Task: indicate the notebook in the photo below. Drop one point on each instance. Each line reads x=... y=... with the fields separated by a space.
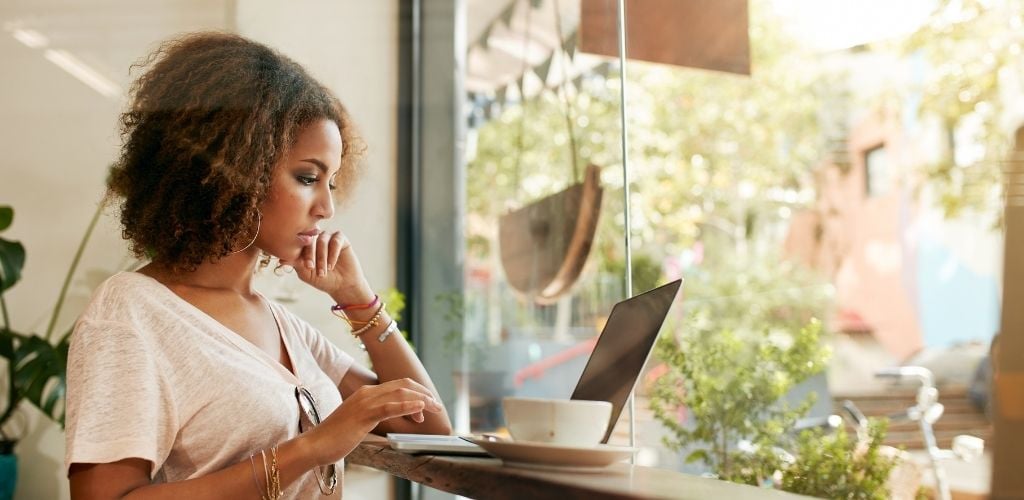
x=611 y=373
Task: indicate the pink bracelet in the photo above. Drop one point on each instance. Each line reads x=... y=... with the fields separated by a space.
x=373 y=303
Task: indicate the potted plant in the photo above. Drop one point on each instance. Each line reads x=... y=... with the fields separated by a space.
x=751 y=335
x=36 y=364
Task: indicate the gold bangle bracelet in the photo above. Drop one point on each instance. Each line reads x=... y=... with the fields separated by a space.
x=252 y=463
x=273 y=476
x=373 y=321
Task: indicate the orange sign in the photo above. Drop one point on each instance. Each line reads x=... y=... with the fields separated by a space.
x=708 y=34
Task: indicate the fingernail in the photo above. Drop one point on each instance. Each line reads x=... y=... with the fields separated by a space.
x=309 y=263
x=322 y=273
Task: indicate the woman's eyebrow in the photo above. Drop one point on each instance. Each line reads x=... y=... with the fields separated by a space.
x=319 y=164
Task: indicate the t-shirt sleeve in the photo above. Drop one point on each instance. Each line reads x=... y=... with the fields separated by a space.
x=118 y=403
x=331 y=359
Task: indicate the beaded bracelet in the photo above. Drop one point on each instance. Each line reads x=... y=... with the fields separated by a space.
x=374 y=321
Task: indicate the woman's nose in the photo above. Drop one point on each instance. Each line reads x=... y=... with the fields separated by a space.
x=324 y=205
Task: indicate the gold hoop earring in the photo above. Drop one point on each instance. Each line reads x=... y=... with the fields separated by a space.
x=259 y=220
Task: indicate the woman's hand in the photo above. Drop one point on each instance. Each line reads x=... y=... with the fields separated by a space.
x=362 y=411
x=330 y=264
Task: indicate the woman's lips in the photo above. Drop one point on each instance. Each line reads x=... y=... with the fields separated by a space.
x=307 y=237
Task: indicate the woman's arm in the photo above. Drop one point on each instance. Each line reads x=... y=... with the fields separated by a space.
x=129 y=478
x=393 y=359
x=330 y=265
x=327 y=443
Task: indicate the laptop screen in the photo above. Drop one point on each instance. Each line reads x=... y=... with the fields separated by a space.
x=623 y=349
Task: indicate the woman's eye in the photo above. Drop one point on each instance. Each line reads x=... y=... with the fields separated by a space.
x=306 y=180
x=332 y=187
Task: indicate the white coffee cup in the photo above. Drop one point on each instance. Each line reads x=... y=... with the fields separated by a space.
x=569 y=422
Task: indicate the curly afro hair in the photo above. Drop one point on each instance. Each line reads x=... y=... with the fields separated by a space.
x=207 y=122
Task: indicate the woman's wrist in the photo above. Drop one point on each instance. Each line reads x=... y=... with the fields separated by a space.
x=302 y=452
x=354 y=295
x=318 y=447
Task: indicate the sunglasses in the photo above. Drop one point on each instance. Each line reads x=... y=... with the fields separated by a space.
x=326 y=475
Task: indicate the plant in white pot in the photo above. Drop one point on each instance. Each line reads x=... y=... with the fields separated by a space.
x=36 y=364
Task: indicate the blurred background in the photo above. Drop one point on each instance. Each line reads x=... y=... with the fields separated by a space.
x=821 y=173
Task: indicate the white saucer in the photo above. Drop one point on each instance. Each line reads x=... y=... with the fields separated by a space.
x=538 y=455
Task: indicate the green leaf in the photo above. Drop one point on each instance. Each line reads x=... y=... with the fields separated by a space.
x=696 y=455
x=6 y=216
x=12 y=260
x=41 y=374
x=7 y=338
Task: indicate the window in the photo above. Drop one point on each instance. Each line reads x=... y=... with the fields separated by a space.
x=877 y=174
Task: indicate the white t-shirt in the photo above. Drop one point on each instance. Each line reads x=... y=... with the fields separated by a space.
x=151 y=376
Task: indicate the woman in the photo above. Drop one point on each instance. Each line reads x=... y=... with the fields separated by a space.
x=184 y=381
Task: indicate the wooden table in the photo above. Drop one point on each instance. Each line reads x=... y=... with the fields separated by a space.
x=486 y=478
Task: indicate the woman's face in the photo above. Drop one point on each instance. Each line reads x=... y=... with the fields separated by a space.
x=300 y=192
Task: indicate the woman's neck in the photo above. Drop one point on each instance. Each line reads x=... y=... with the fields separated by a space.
x=231 y=273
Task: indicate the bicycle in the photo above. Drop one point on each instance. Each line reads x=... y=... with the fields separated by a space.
x=905 y=478
x=926 y=412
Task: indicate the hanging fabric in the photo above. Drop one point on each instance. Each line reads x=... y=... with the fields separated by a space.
x=545 y=244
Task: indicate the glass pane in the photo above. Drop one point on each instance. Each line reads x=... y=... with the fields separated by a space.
x=544 y=199
x=812 y=257
x=756 y=175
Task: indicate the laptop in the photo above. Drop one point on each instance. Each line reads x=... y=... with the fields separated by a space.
x=611 y=373
x=626 y=342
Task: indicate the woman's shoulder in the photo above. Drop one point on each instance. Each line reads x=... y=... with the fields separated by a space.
x=122 y=296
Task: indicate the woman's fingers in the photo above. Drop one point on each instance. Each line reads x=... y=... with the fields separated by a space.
x=323 y=240
x=397 y=409
x=307 y=259
x=337 y=244
x=398 y=398
x=322 y=254
x=366 y=408
x=409 y=389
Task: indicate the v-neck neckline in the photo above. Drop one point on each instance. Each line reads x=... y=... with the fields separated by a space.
x=238 y=340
